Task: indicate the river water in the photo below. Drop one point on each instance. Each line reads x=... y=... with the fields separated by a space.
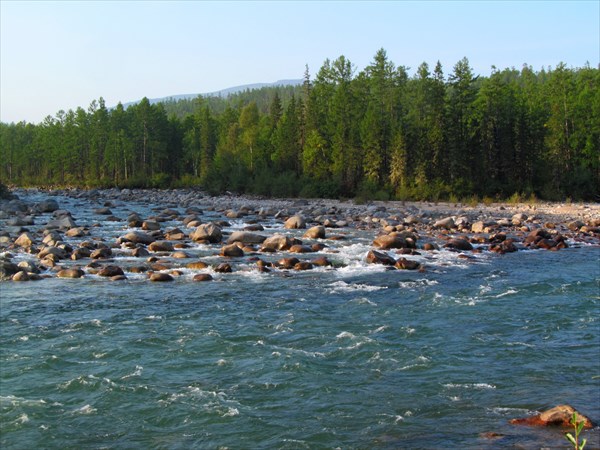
x=352 y=357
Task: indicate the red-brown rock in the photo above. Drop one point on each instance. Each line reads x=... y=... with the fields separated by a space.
x=375 y=257
x=203 y=277
x=558 y=416
x=406 y=264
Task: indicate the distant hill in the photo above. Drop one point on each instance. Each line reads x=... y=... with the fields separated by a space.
x=222 y=93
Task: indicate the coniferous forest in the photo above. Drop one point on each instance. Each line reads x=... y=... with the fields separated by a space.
x=374 y=134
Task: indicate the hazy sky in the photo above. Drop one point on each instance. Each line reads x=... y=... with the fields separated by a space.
x=61 y=55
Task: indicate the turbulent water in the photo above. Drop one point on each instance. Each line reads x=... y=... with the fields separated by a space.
x=352 y=357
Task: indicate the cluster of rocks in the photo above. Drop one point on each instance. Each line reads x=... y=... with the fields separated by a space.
x=63 y=249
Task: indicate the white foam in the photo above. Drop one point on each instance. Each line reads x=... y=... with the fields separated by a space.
x=342 y=286
x=345 y=335
x=136 y=373
x=469 y=386
x=380 y=329
x=231 y=412
x=86 y=409
x=417 y=283
x=20 y=401
x=509 y=292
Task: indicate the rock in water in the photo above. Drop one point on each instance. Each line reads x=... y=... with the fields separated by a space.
x=231 y=250
x=447 y=223
x=139 y=238
x=203 y=277
x=558 y=416
x=295 y=222
x=110 y=271
x=277 y=242
x=207 y=232
x=459 y=244
x=375 y=257
x=25 y=240
x=245 y=237
x=159 y=276
x=316 y=232
x=70 y=273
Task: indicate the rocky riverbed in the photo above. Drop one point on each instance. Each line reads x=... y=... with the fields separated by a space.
x=75 y=233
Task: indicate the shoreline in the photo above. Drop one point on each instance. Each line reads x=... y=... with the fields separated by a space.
x=299 y=234
x=563 y=211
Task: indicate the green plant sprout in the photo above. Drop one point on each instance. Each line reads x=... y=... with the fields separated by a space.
x=577 y=426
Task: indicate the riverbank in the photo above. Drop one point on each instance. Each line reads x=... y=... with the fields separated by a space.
x=71 y=233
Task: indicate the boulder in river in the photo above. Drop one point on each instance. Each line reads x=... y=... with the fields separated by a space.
x=447 y=223
x=101 y=253
x=110 y=271
x=203 y=277
x=70 y=273
x=231 y=250
x=295 y=222
x=277 y=242
x=459 y=244
x=316 y=232
x=223 y=268
x=246 y=237
x=560 y=415
x=303 y=265
x=207 y=232
x=406 y=264
x=46 y=206
x=375 y=257
x=395 y=240
x=63 y=222
x=25 y=240
x=21 y=275
x=160 y=246
x=160 y=276
x=288 y=263
x=139 y=238
x=7 y=270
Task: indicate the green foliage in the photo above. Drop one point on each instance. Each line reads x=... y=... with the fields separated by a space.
x=577 y=428
x=370 y=190
x=374 y=134
x=160 y=181
x=187 y=181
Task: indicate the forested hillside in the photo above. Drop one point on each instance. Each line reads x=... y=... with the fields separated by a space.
x=376 y=133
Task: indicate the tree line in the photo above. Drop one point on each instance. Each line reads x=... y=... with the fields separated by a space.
x=376 y=134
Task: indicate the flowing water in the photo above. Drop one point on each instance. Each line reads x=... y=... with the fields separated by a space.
x=352 y=357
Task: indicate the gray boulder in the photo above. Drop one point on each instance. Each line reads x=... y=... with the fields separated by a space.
x=245 y=237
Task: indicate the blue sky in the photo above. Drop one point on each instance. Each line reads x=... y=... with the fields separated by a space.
x=61 y=55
